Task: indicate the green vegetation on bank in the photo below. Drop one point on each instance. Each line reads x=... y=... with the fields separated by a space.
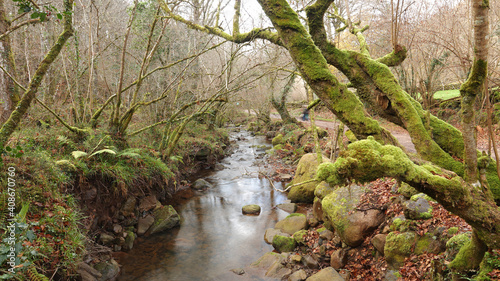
x=66 y=187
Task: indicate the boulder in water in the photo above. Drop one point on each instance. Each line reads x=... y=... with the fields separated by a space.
x=251 y=209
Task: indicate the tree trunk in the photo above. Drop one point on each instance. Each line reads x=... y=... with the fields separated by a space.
x=9 y=95
x=15 y=118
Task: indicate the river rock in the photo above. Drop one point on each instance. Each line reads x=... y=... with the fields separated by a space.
x=306 y=170
x=318 y=209
x=299 y=275
x=310 y=262
x=351 y=225
x=300 y=236
x=398 y=246
x=292 y=223
x=326 y=274
x=117 y=228
x=283 y=243
x=278 y=140
x=272 y=263
x=417 y=208
x=106 y=239
x=238 y=271
x=165 y=218
x=326 y=235
x=143 y=224
x=148 y=203
x=271 y=232
x=109 y=270
x=288 y=207
x=201 y=184
x=128 y=208
x=129 y=240
x=251 y=209
x=378 y=241
x=87 y=273
x=338 y=259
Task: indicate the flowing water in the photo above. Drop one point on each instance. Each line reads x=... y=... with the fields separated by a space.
x=214 y=236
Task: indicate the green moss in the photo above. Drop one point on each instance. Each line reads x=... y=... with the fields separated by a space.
x=321 y=229
x=490 y=262
x=398 y=246
x=458 y=241
x=299 y=236
x=283 y=243
x=422 y=195
x=295 y=215
x=406 y=190
x=453 y=230
x=278 y=140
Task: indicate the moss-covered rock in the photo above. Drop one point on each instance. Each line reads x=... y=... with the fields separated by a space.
x=455 y=243
x=278 y=139
x=292 y=223
x=397 y=247
x=351 y=225
x=300 y=236
x=283 y=243
x=406 y=190
x=322 y=190
x=417 y=208
x=306 y=171
x=165 y=218
x=251 y=209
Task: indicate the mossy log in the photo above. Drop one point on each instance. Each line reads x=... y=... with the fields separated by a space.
x=367 y=160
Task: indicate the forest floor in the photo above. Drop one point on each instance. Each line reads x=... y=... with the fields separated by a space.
x=361 y=263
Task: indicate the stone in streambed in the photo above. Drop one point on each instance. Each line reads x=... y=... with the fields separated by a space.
x=283 y=243
x=143 y=224
x=251 y=209
x=165 y=218
x=298 y=276
x=288 y=207
x=326 y=274
x=201 y=184
x=292 y=223
x=271 y=232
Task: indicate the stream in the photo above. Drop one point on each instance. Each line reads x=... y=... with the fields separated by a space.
x=214 y=236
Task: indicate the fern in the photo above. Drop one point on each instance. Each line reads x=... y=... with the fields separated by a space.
x=106 y=150
x=130 y=153
x=64 y=141
x=35 y=276
x=77 y=154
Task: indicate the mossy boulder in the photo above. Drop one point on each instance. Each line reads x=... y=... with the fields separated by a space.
x=251 y=209
x=284 y=243
x=455 y=243
x=292 y=223
x=399 y=246
x=417 y=208
x=353 y=226
x=323 y=189
x=271 y=232
x=306 y=170
x=300 y=236
x=272 y=264
x=165 y=218
x=278 y=139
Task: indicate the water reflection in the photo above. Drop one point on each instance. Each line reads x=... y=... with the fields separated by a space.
x=214 y=236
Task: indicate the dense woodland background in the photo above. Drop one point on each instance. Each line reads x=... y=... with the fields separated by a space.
x=95 y=93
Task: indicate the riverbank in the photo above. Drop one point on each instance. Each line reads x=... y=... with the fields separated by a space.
x=82 y=200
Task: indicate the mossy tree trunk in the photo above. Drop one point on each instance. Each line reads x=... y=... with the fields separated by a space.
x=435 y=140
x=9 y=95
x=29 y=95
x=280 y=105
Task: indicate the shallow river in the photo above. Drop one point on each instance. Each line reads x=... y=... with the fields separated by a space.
x=214 y=236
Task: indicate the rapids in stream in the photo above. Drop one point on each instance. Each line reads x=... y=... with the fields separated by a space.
x=214 y=236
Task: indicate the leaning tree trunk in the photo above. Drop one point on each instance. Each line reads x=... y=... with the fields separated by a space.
x=29 y=95
x=280 y=105
x=9 y=96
